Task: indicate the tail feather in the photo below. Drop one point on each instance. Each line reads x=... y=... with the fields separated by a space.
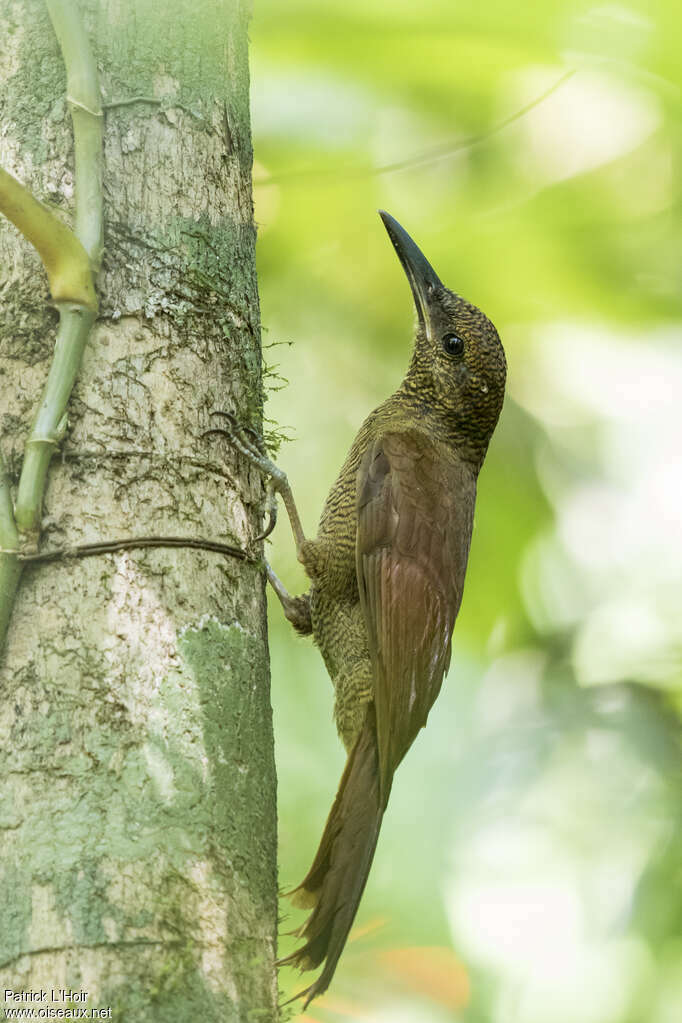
x=335 y=882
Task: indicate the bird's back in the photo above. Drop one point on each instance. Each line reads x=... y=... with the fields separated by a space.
x=436 y=483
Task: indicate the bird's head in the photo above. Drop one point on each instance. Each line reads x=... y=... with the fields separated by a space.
x=458 y=367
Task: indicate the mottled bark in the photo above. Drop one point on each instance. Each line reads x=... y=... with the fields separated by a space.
x=137 y=799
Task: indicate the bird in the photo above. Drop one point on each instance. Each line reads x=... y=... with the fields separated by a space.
x=386 y=573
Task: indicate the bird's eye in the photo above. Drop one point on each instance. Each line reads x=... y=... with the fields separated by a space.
x=452 y=344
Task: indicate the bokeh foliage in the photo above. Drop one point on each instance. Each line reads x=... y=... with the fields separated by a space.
x=529 y=867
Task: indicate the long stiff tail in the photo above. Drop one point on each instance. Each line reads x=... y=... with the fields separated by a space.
x=335 y=882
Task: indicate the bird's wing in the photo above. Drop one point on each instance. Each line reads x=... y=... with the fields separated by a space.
x=415 y=512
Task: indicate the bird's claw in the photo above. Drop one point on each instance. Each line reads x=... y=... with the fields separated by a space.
x=272 y=512
x=245 y=439
x=249 y=442
x=237 y=428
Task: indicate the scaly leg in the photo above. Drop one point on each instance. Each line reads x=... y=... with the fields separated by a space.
x=246 y=440
x=296 y=609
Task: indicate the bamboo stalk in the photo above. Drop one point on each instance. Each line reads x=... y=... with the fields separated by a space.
x=76 y=318
x=63 y=256
x=71 y=259
x=10 y=566
x=85 y=101
x=49 y=424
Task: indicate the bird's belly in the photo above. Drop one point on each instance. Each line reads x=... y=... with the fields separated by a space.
x=340 y=633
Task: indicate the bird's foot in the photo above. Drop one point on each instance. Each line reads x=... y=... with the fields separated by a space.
x=250 y=444
x=296 y=609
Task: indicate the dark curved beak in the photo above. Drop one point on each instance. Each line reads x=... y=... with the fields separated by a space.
x=423 y=279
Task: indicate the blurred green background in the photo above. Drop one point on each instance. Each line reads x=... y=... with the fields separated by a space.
x=530 y=864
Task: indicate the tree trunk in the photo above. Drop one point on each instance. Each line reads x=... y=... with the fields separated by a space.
x=137 y=808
